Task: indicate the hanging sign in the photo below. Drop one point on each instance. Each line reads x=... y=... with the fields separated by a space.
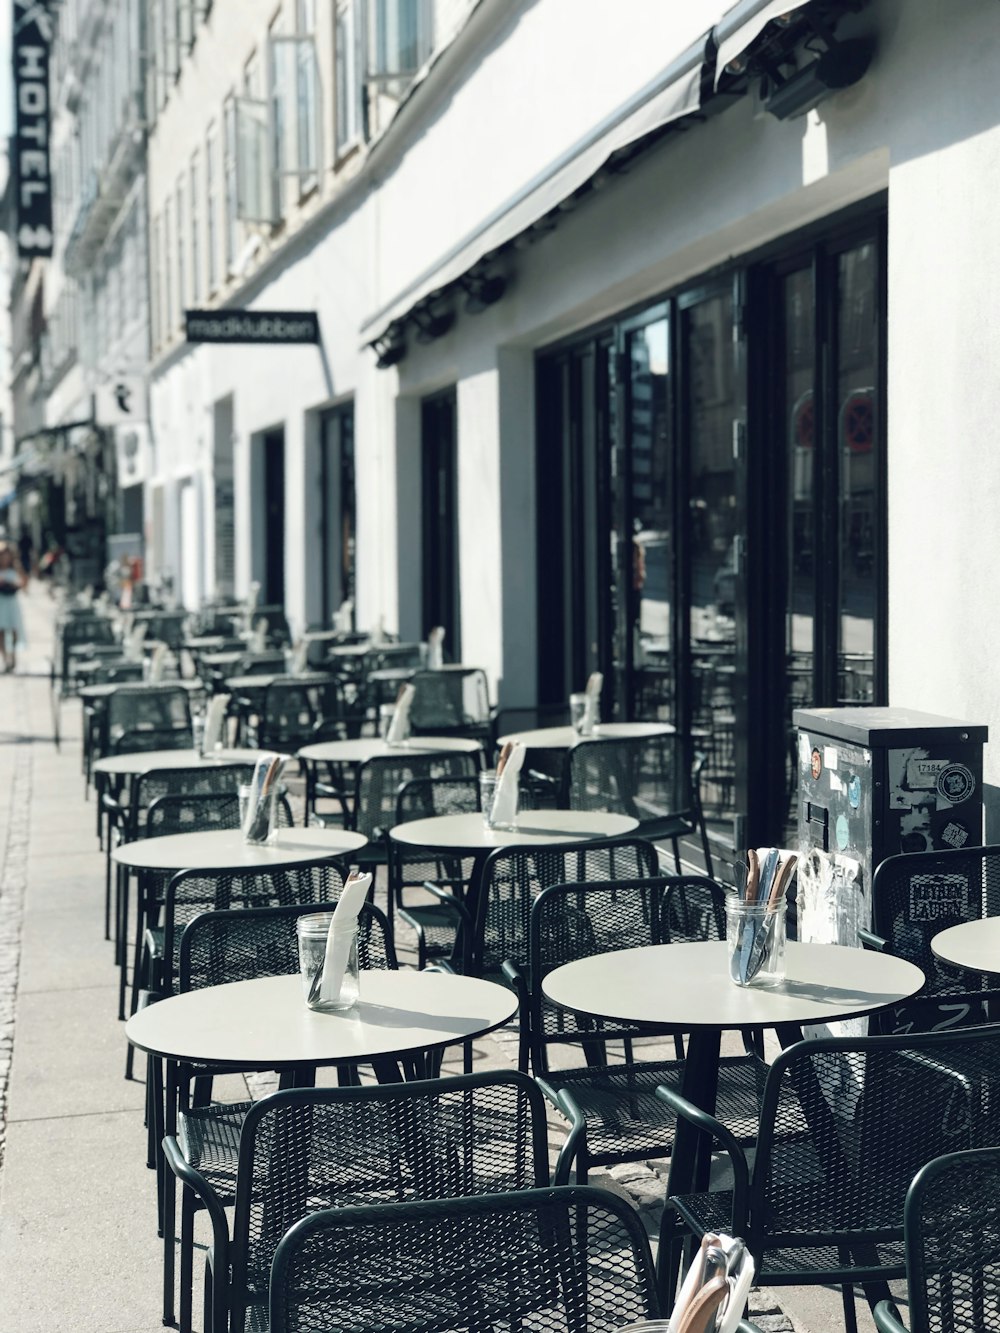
x=32 y=37
x=252 y=326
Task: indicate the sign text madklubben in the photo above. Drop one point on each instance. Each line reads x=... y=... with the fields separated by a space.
x=252 y=326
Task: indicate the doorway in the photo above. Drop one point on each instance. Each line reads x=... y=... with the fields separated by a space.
x=441 y=602
x=338 y=521
x=272 y=474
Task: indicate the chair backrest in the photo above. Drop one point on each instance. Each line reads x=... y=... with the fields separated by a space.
x=554 y=1260
x=150 y=708
x=918 y=894
x=288 y=715
x=394 y=655
x=647 y=777
x=219 y=780
x=571 y=921
x=190 y=814
x=449 y=700
x=513 y=877
x=166 y=627
x=952 y=1226
x=423 y=798
x=278 y=632
x=146 y=741
x=845 y=1125
x=260 y=664
x=240 y=944
x=378 y=781
x=195 y=891
x=115 y=672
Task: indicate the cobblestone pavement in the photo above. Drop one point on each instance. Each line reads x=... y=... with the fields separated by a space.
x=75 y=1198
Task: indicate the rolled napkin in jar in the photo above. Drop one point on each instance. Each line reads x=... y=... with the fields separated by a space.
x=340 y=936
x=378 y=633
x=435 y=648
x=133 y=643
x=715 y=1287
x=399 y=727
x=299 y=657
x=157 y=663
x=258 y=639
x=343 y=617
x=263 y=791
x=505 y=797
x=592 y=712
x=215 y=718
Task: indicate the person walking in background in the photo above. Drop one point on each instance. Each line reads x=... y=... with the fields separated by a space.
x=26 y=547
x=12 y=580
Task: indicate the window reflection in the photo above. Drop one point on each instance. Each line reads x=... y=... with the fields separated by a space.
x=857 y=376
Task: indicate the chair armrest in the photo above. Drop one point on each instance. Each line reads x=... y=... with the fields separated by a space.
x=872 y=941
x=709 y=1125
x=197 y=1183
x=887 y=1320
x=518 y=982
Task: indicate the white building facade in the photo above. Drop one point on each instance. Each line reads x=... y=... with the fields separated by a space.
x=650 y=343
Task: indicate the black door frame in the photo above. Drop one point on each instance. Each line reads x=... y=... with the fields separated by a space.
x=440 y=578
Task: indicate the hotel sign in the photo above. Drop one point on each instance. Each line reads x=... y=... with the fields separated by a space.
x=252 y=326
x=32 y=37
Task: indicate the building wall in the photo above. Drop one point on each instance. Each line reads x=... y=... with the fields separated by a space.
x=540 y=77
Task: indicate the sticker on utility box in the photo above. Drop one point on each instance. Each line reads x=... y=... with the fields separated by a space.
x=955 y=783
x=922 y=774
x=937 y=897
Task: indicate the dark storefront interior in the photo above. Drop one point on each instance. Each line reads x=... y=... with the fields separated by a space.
x=711 y=477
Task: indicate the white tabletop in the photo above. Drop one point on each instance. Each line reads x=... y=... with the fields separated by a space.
x=90 y=693
x=972 y=944
x=359 y=750
x=564 y=738
x=534 y=828
x=224 y=849
x=144 y=761
x=262 y=681
x=688 y=985
x=266 y=1023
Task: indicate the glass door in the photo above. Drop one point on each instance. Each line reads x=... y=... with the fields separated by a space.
x=643 y=539
x=441 y=604
x=713 y=545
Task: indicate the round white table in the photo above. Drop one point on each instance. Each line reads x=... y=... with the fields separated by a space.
x=363 y=748
x=257 y=684
x=564 y=738
x=266 y=1024
x=535 y=828
x=144 y=761
x=225 y=849
x=95 y=693
x=974 y=945
x=688 y=986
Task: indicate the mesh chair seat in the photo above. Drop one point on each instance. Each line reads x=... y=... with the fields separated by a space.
x=209 y=1138
x=625 y=1118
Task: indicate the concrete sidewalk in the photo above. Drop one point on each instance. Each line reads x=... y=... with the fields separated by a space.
x=78 y=1243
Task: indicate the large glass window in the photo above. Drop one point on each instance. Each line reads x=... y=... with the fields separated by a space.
x=348 y=85
x=711 y=475
x=211 y=209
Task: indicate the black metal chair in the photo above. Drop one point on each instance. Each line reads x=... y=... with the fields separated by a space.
x=278 y=633
x=307 y=1149
x=652 y=778
x=845 y=1124
x=916 y=895
x=434 y=922
x=217 y=947
x=609 y=1094
x=494 y=929
x=543 y=1261
x=951 y=1224
x=451 y=703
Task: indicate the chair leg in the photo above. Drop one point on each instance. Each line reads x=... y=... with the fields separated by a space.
x=187 y=1259
x=668 y=1256
x=169 y=1228
x=850 y=1310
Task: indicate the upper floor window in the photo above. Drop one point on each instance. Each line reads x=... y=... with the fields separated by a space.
x=229 y=174
x=193 y=193
x=348 y=75
x=211 y=208
x=179 y=226
x=400 y=38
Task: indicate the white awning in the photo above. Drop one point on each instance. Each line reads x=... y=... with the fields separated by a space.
x=740 y=27
x=673 y=93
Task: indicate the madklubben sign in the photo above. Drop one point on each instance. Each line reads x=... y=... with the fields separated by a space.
x=32 y=37
x=251 y=326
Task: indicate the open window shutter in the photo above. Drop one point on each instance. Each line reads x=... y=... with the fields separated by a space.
x=254 y=195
